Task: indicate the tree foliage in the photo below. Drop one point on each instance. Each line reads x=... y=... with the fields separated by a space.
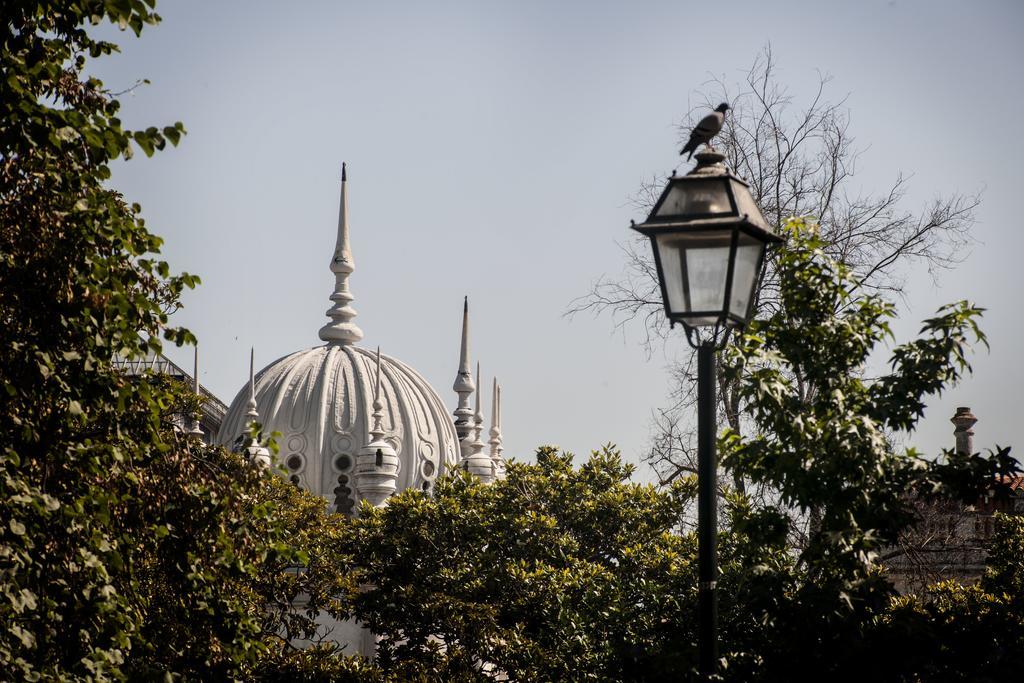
x=554 y=573
x=821 y=440
x=549 y=574
x=129 y=551
x=126 y=550
x=563 y=573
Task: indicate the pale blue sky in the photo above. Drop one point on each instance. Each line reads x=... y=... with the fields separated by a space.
x=491 y=147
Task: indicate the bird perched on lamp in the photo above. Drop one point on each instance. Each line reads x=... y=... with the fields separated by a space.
x=708 y=128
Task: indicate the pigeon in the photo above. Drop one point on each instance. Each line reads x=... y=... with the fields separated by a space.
x=705 y=130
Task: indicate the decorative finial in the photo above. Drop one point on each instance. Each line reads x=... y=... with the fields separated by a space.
x=253 y=450
x=494 y=415
x=476 y=461
x=197 y=430
x=464 y=386
x=377 y=432
x=495 y=442
x=251 y=413
x=341 y=329
x=501 y=446
x=478 y=414
x=377 y=463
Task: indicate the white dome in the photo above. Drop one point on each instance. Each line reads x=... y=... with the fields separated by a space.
x=321 y=401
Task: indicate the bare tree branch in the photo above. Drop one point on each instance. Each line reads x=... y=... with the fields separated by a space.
x=799 y=161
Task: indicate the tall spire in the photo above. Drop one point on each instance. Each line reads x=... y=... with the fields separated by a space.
x=197 y=430
x=377 y=463
x=495 y=442
x=495 y=431
x=377 y=432
x=478 y=414
x=464 y=386
x=341 y=329
x=251 y=414
x=501 y=447
x=257 y=453
x=475 y=461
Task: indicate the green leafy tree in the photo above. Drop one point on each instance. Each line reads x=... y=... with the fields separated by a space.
x=126 y=550
x=822 y=443
x=554 y=573
x=76 y=289
x=239 y=565
x=563 y=573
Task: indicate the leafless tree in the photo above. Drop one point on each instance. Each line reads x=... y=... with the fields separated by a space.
x=799 y=159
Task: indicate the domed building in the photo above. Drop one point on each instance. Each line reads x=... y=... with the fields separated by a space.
x=359 y=425
x=321 y=400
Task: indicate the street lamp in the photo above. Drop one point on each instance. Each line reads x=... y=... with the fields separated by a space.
x=709 y=240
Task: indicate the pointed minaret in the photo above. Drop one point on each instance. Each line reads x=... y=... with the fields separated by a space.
x=478 y=414
x=341 y=329
x=377 y=463
x=251 y=414
x=256 y=452
x=197 y=430
x=477 y=462
x=495 y=442
x=464 y=387
x=501 y=447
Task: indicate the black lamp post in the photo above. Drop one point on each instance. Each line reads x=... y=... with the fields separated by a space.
x=709 y=240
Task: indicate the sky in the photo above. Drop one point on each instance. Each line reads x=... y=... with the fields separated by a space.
x=491 y=149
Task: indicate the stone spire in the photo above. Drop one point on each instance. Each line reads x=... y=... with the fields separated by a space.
x=478 y=415
x=501 y=447
x=341 y=329
x=495 y=442
x=251 y=414
x=254 y=451
x=464 y=387
x=376 y=462
x=964 y=420
x=197 y=430
x=477 y=462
